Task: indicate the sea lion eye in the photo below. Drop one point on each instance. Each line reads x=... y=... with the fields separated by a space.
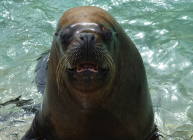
x=107 y=33
x=64 y=37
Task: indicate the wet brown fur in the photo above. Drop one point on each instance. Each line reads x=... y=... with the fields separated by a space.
x=122 y=112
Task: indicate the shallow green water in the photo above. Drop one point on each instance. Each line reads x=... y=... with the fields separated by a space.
x=161 y=29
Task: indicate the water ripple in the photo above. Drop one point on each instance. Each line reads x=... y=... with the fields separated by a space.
x=161 y=29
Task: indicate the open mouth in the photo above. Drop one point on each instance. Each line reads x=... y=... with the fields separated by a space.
x=87 y=68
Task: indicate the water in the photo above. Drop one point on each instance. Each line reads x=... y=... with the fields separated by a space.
x=161 y=29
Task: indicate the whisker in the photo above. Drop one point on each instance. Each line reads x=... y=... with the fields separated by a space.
x=72 y=54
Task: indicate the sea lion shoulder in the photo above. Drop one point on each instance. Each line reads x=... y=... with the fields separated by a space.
x=41 y=71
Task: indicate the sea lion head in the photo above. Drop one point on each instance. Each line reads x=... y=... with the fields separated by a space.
x=85 y=45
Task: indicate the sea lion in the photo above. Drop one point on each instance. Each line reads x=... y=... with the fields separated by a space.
x=96 y=86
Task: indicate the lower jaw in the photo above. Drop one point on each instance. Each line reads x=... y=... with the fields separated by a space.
x=86 y=84
x=87 y=80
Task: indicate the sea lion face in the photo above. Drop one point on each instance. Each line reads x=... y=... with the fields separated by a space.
x=86 y=62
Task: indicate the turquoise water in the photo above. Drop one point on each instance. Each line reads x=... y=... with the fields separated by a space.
x=161 y=29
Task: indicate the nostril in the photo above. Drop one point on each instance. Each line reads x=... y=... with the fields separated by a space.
x=92 y=37
x=87 y=37
x=82 y=38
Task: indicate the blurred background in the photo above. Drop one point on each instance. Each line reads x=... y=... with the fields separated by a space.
x=162 y=30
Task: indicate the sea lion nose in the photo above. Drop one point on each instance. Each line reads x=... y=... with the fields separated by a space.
x=87 y=39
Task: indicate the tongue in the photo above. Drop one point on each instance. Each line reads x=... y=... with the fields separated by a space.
x=86 y=67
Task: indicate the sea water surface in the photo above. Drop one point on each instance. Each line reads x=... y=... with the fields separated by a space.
x=161 y=29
